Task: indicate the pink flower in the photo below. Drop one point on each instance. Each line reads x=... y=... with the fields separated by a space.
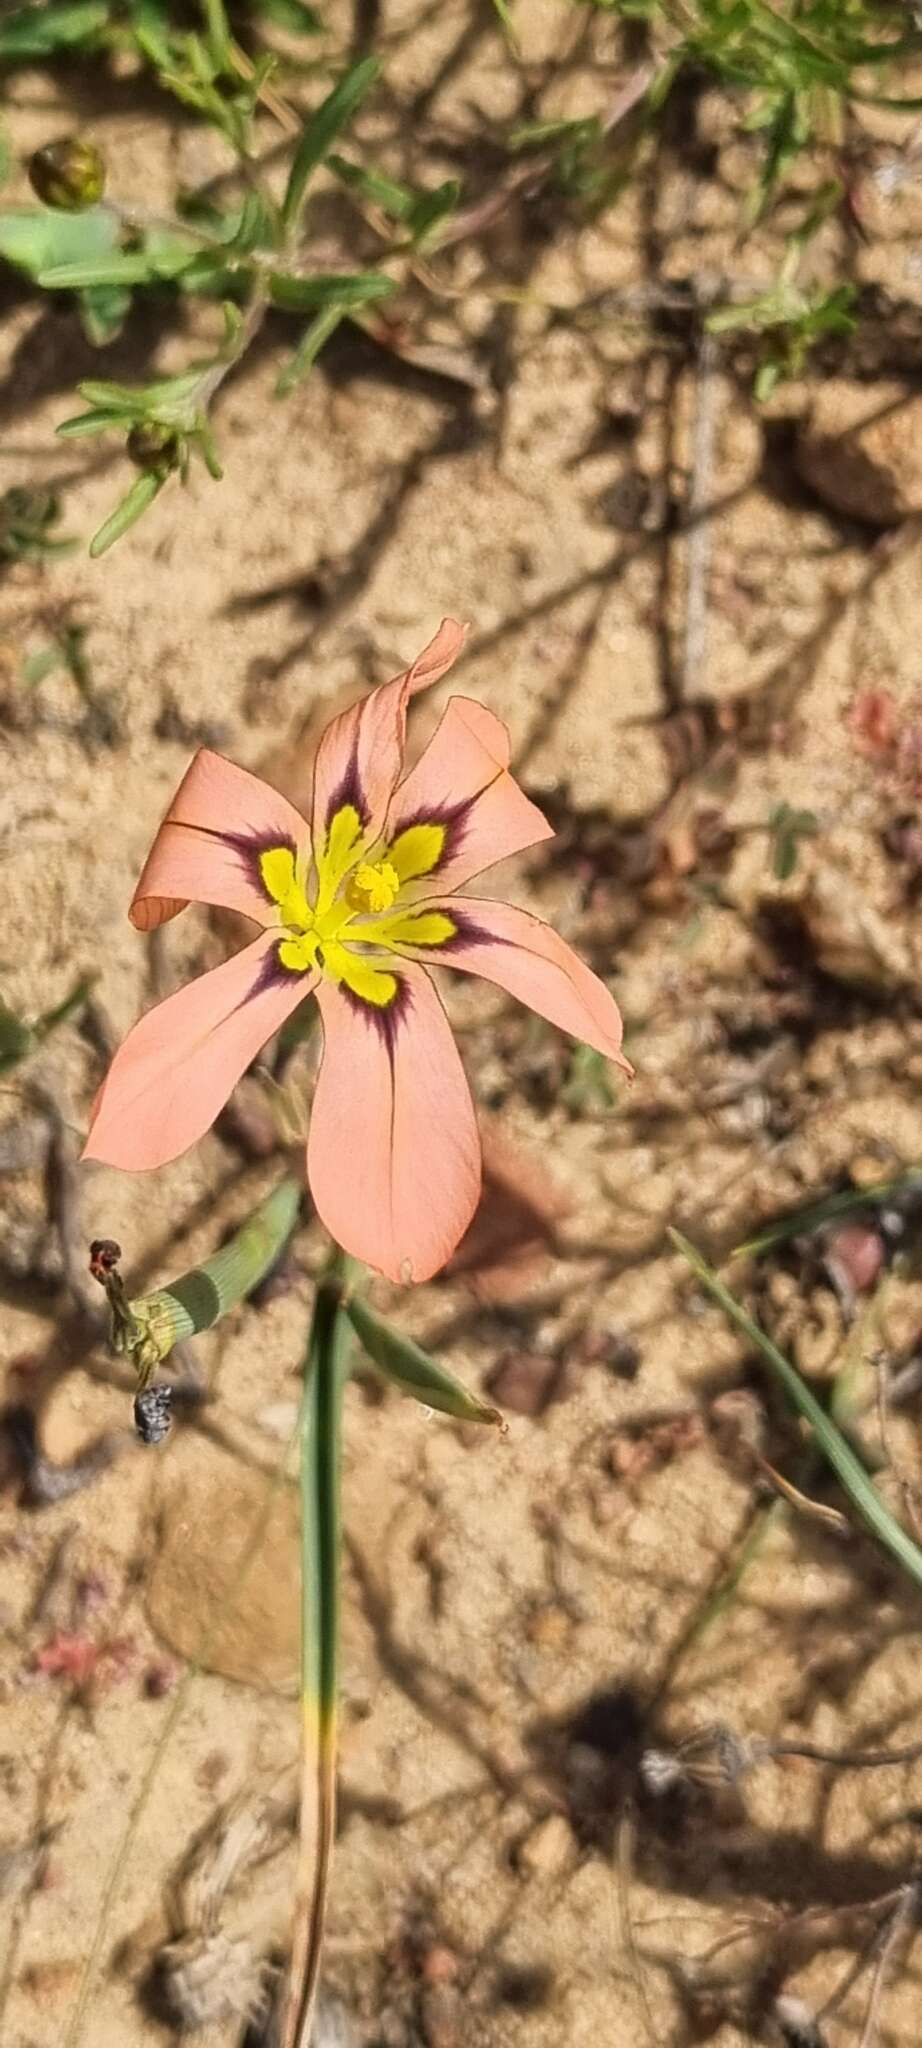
x=353 y=909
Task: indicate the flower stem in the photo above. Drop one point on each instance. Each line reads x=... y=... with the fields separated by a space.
x=326 y=1370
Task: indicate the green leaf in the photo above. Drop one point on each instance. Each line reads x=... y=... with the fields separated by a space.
x=536 y=134
x=38 y=238
x=133 y=506
x=40 y=31
x=308 y=350
x=67 y=1007
x=103 y=311
x=430 y=209
x=299 y=294
x=160 y=394
x=397 y=201
x=788 y=827
x=291 y=14
x=124 y=267
x=251 y=228
x=838 y=1453
x=100 y=421
x=218 y=35
x=321 y=130
x=411 y=1369
x=39 y=665
x=16 y=1038
x=162 y=258
x=207 y=448
x=503 y=11
x=812 y=1216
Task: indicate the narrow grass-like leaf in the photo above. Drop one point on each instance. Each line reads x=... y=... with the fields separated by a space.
x=322 y=326
x=302 y=294
x=812 y=1215
x=131 y=509
x=397 y=201
x=326 y=1370
x=430 y=209
x=829 y=1439
x=411 y=1369
x=99 y=421
x=67 y=1007
x=321 y=131
x=141 y=398
x=124 y=267
x=15 y=1038
x=198 y=1299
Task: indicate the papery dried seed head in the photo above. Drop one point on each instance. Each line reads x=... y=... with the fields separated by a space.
x=153 y=1413
x=660 y=1770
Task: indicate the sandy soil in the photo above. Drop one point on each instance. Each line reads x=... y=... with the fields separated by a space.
x=525 y=1616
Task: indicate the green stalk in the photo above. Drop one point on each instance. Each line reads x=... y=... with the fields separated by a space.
x=812 y=1215
x=148 y=1327
x=326 y=1370
x=838 y=1453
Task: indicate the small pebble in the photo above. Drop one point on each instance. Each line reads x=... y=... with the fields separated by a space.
x=159 y=1679
x=548 y=1849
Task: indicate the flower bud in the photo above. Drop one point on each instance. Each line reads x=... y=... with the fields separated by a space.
x=153 y=446
x=69 y=174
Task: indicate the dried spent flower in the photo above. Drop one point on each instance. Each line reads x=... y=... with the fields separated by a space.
x=155 y=447
x=153 y=1413
x=710 y=1757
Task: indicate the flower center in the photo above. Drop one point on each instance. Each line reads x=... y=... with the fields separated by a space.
x=374 y=886
x=313 y=932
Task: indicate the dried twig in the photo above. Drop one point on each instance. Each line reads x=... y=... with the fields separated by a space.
x=623 y=1848
x=889 y=1938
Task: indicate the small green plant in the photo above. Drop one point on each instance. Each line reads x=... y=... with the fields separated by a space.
x=28 y=517
x=802 y=62
x=247 y=255
x=787 y=827
x=794 y=70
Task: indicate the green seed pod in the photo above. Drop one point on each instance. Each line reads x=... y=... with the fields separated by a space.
x=155 y=447
x=69 y=174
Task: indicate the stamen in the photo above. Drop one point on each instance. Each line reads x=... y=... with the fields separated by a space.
x=373 y=887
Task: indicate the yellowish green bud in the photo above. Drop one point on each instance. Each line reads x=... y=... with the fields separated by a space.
x=69 y=174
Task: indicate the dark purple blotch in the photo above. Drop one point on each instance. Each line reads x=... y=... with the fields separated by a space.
x=383 y=1018
x=350 y=791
